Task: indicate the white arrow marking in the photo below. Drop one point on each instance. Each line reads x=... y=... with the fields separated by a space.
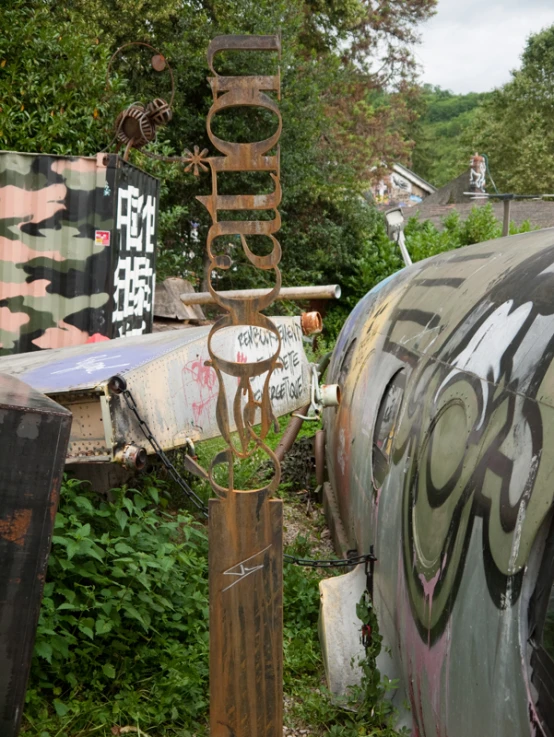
x=241 y=571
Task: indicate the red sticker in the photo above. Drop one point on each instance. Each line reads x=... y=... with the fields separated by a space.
x=102 y=238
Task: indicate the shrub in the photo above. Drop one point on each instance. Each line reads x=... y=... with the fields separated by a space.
x=123 y=631
x=423 y=239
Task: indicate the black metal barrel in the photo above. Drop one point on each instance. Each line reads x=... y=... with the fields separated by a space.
x=34 y=434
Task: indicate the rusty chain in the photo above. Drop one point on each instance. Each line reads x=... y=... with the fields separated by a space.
x=173 y=472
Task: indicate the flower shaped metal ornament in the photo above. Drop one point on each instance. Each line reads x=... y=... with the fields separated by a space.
x=196 y=160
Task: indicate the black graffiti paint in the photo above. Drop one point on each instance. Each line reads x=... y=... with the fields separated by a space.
x=511 y=384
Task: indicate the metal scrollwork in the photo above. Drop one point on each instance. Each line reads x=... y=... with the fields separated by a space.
x=229 y=92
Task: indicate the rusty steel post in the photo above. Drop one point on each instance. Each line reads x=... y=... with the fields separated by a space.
x=319 y=452
x=245 y=526
x=291 y=433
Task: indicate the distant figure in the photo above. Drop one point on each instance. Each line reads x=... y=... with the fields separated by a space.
x=477 y=173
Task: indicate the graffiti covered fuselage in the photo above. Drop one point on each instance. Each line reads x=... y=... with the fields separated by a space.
x=441 y=455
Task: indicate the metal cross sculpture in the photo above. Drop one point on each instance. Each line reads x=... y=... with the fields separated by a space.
x=245 y=526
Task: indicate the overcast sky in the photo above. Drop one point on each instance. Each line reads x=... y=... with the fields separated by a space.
x=471 y=45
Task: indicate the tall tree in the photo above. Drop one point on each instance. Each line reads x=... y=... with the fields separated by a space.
x=347 y=78
x=441 y=151
x=52 y=74
x=515 y=128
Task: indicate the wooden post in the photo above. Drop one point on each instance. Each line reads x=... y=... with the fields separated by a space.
x=246 y=616
x=507 y=209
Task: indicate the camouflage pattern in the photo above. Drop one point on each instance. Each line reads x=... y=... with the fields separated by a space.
x=77 y=246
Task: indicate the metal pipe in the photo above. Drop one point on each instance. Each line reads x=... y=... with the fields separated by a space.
x=403 y=250
x=319 y=452
x=290 y=434
x=132 y=457
x=329 y=291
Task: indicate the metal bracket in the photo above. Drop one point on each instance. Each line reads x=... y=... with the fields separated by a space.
x=326 y=395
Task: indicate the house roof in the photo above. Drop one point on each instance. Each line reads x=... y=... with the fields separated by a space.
x=413 y=178
x=452 y=192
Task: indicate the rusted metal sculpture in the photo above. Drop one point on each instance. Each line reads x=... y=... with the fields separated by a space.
x=245 y=525
x=136 y=125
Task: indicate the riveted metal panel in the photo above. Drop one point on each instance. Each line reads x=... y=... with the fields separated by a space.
x=175 y=391
x=448 y=474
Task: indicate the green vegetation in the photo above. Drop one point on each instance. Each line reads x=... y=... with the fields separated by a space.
x=514 y=127
x=123 y=632
x=423 y=239
x=441 y=150
x=340 y=117
x=52 y=76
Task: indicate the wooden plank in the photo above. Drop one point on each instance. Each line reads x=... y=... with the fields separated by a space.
x=246 y=616
x=167 y=301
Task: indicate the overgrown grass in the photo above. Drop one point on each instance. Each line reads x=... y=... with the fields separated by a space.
x=123 y=633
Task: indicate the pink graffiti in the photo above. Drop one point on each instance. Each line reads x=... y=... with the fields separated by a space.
x=427 y=666
x=429 y=590
x=97 y=338
x=204 y=380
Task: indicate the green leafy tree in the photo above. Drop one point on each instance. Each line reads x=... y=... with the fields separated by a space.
x=347 y=81
x=424 y=239
x=514 y=127
x=441 y=151
x=52 y=76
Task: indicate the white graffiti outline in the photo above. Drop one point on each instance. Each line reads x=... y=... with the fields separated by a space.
x=92 y=364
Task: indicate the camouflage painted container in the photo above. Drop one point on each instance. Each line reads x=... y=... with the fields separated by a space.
x=77 y=250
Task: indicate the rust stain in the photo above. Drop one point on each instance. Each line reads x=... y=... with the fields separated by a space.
x=55 y=497
x=15 y=527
